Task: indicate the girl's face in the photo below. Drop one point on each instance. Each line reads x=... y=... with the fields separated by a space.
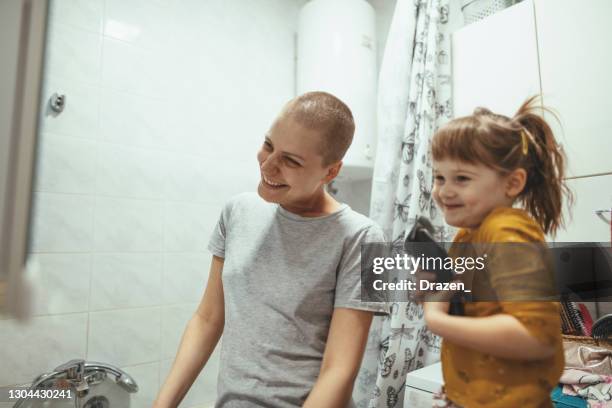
x=466 y=193
x=291 y=167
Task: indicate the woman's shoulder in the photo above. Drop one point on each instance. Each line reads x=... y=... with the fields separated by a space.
x=245 y=206
x=358 y=226
x=506 y=224
x=244 y=200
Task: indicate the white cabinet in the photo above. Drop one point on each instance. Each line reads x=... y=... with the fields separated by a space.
x=559 y=48
x=576 y=70
x=495 y=62
x=421 y=384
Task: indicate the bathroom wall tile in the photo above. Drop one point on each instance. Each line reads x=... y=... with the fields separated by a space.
x=228 y=178
x=147 y=378
x=144 y=23
x=185 y=276
x=124 y=337
x=86 y=15
x=186 y=178
x=40 y=345
x=65 y=164
x=62 y=223
x=123 y=225
x=126 y=280
x=188 y=129
x=133 y=120
x=73 y=54
x=174 y=320
x=124 y=21
x=188 y=226
x=179 y=60
x=130 y=172
x=60 y=283
x=203 y=392
x=128 y=68
x=80 y=115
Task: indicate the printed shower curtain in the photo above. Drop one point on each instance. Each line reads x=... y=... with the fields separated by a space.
x=414 y=99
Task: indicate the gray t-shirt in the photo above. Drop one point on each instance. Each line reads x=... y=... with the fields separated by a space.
x=283 y=275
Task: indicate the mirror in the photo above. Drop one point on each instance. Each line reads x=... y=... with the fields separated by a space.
x=22 y=37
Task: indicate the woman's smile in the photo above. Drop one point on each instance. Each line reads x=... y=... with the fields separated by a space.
x=272 y=184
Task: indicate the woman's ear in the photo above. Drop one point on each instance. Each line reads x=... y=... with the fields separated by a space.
x=332 y=172
x=515 y=182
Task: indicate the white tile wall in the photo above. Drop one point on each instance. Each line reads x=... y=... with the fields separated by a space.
x=128 y=225
x=80 y=118
x=61 y=283
x=40 y=345
x=132 y=120
x=184 y=276
x=73 y=54
x=62 y=223
x=174 y=319
x=130 y=172
x=86 y=15
x=124 y=280
x=124 y=336
x=67 y=164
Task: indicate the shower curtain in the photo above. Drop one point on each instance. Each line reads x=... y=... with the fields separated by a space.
x=414 y=99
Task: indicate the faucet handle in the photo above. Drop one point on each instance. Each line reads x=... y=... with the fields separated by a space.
x=74 y=369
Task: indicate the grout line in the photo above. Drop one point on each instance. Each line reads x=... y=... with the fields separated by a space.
x=537 y=43
x=193 y=304
x=160 y=200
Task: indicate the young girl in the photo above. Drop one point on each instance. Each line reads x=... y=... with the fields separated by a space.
x=500 y=353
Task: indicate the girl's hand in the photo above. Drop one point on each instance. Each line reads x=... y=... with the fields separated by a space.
x=435 y=308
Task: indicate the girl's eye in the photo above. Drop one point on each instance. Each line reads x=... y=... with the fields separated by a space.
x=462 y=178
x=439 y=179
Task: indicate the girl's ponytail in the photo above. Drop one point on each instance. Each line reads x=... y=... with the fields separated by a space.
x=545 y=187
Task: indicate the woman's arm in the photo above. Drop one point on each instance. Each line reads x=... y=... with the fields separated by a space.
x=501 y=335
x=199 y=340
x=348 y=334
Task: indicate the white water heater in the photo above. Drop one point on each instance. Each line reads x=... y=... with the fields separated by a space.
x=336 y=53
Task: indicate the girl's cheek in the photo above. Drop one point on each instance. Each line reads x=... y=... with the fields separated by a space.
x=435 y=192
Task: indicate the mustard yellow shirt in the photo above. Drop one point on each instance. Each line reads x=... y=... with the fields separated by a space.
x=474 y=379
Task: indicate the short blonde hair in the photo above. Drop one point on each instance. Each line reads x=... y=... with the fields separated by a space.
x=326 y=113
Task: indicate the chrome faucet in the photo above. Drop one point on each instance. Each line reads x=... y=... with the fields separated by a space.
x=80 y=374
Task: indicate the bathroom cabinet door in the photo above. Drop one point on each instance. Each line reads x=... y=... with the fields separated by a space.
x=576 y=70
x=495 y=61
